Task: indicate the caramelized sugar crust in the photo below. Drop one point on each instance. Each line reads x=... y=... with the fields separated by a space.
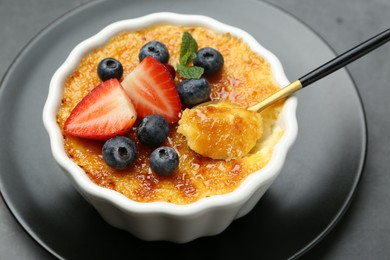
x=244 y=80
x=221 y=131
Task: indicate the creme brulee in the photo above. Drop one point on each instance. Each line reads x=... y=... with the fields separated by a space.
x=221 y=131
x=244 y=80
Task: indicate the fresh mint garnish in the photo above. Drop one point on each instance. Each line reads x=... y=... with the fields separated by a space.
x=188 y=50
x=192 y=72
x=185 y=60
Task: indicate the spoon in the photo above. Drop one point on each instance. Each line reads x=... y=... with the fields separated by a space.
x=326 y=69
x=236 y=142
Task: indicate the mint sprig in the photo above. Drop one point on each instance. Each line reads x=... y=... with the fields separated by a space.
x=192 y=72
x=188 y=51
x=188 y=48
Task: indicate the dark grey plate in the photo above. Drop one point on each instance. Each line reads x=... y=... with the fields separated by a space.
x=306 y=201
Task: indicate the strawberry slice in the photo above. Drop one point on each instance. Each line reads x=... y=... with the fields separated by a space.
x=153 y=91
x=104 y=113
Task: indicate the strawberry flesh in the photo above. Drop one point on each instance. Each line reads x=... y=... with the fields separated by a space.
x=152 y=90
x=104 y=113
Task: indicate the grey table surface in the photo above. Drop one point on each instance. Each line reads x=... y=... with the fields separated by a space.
x=364 y=231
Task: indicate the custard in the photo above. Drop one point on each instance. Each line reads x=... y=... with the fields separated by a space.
x=221 y=131
x=244 y=80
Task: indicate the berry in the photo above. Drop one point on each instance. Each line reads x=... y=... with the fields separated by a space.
x=153 y=130
x=171 y=70
x=109 y=68
x=104 y=113
x=152 y=90
x=194 y=91
x=156 y=50
x=119 y=152
x=210 y=59
x=164 y=161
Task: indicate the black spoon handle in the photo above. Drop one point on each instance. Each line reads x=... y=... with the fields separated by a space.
x=324 y=70
x=345 y=58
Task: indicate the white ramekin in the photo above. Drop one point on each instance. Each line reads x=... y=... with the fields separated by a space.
x=162 y=220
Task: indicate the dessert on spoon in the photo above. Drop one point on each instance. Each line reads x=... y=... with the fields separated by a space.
x=220 y=130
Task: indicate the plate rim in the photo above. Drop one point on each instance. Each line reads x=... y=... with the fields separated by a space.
x=352 y=193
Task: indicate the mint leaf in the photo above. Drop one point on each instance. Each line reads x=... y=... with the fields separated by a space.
x=193 y=72
x=187 y=58
x=188 y=51
x=188 y=48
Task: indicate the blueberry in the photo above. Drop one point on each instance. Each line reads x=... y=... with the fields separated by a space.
x=156 y=50
x=194 y=91
x=109 y=68
x=153 y=130
x=210 y=59
x=164 y=161
x=119 y=152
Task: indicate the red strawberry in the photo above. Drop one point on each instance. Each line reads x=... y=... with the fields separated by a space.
x=171 y=70
x=104 y=113
x=153 y=91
